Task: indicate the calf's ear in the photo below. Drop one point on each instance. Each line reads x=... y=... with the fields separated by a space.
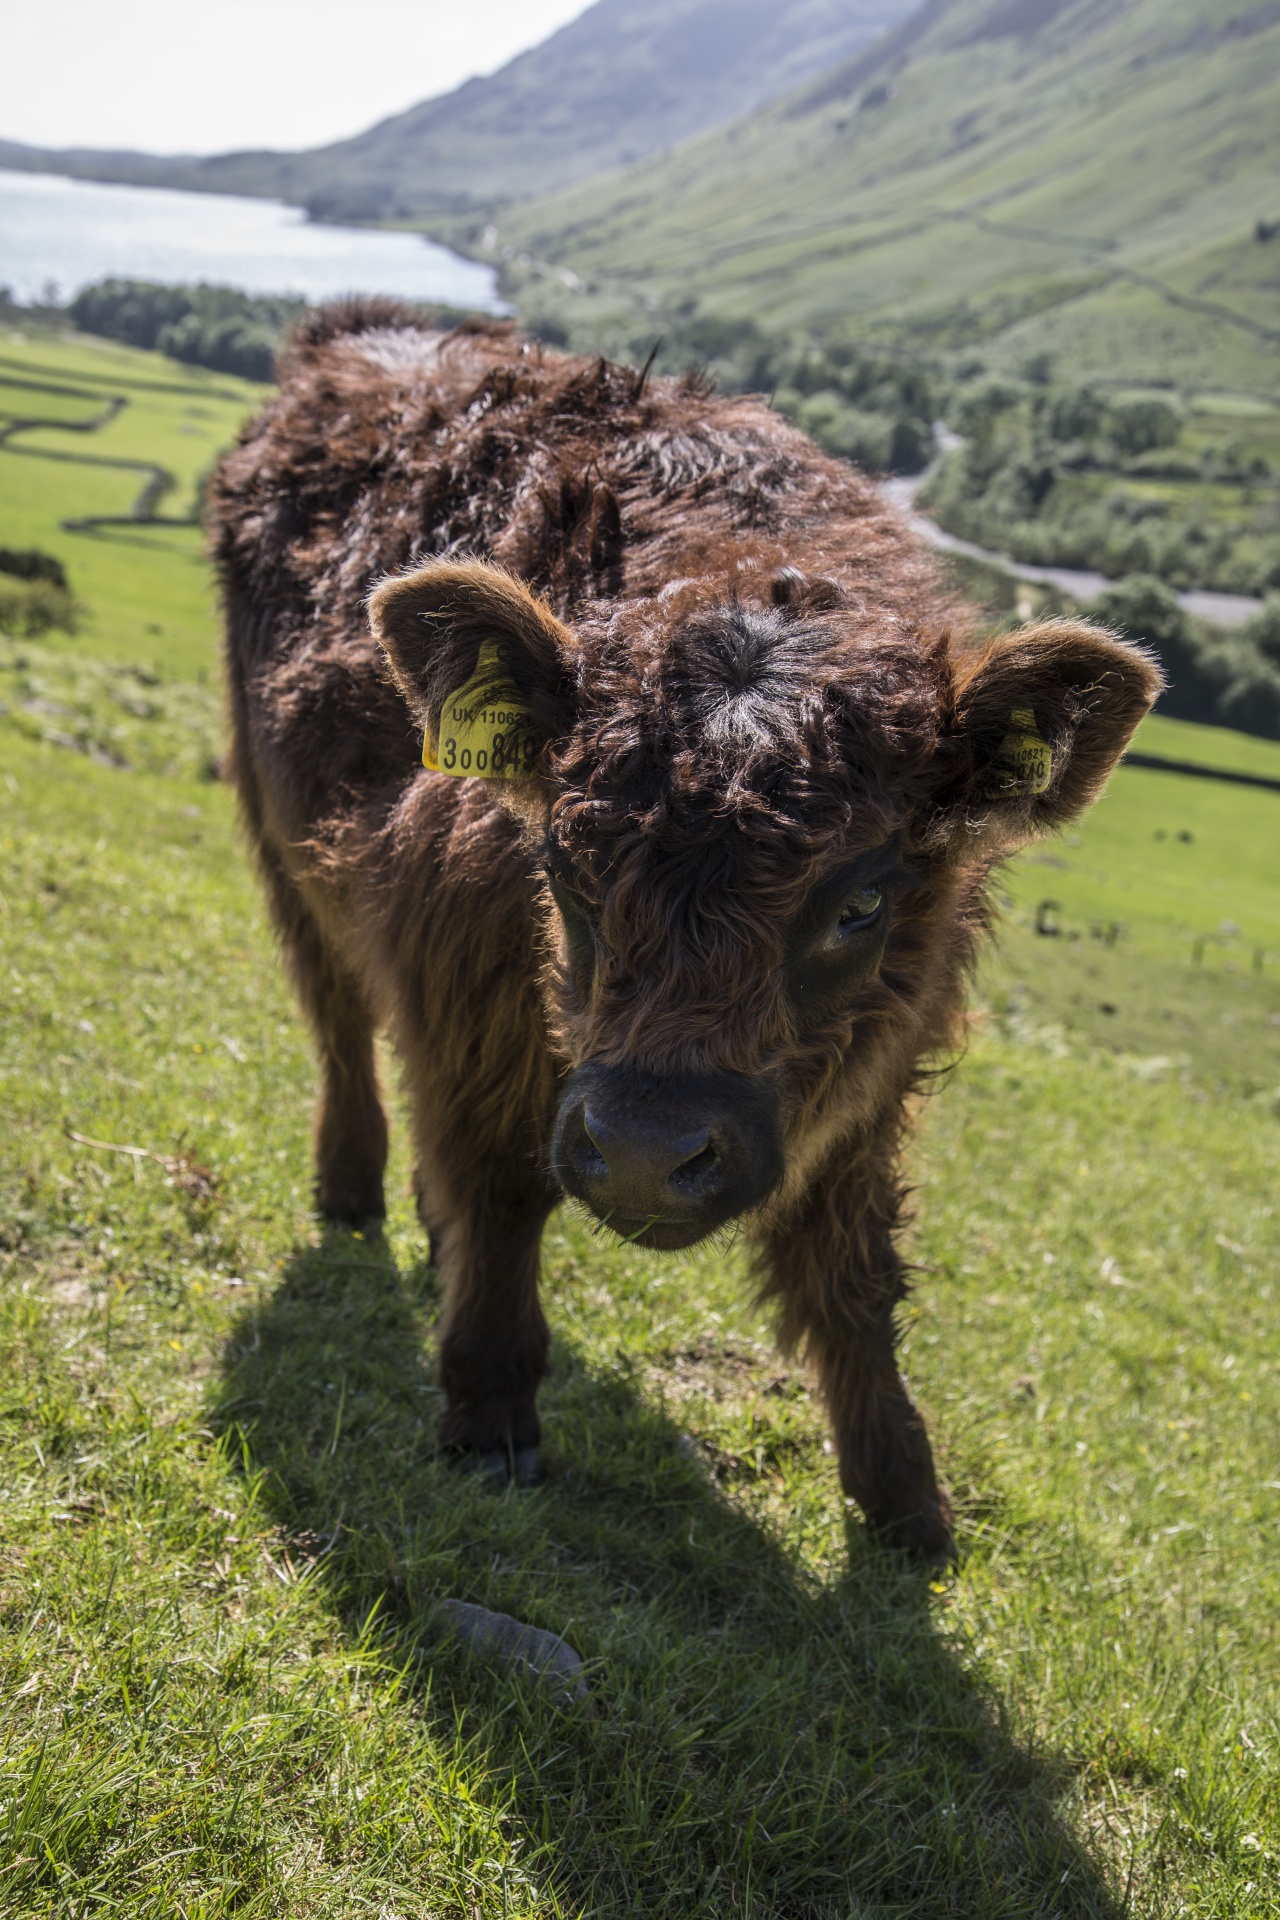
x=1042 y=716
x=483 y=664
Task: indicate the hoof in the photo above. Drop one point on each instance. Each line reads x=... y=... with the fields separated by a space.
x=369 y=1224
x=354 y=1202
x=925 y=1536
x=358 y=1212
x=501 y=1467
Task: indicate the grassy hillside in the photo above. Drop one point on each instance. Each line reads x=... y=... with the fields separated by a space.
x=1051 y=176
x=228 y=1686
x=625 y=79
x=225 y=1532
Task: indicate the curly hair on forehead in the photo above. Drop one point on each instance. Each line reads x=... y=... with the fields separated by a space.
x=803 y=738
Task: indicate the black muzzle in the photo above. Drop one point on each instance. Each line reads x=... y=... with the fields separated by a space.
x=664 y=1162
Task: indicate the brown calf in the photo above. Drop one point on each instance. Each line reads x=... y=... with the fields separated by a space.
x=734 y=786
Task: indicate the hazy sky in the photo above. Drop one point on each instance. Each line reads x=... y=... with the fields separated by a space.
x=169 y=76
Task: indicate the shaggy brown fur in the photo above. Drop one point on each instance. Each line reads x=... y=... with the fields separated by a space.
x=752 y=706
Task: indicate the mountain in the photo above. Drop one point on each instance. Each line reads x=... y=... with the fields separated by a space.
x=626 y=79
x=1094 y=179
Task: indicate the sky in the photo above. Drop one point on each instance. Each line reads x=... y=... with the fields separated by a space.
x=168 y=76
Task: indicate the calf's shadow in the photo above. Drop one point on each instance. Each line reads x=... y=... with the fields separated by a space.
x=757 y=1741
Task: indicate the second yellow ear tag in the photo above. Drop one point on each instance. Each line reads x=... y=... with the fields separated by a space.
x=1024 y=764
x=485 y=727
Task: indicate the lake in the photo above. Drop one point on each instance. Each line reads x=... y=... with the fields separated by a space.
x=72 y=232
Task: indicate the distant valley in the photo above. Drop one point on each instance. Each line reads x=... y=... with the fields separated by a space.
x=1100 y=182
x=1097 y=180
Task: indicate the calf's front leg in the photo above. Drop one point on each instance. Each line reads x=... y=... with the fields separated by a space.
x=886 y=1462
x=486 y=1226
x=836 y=1273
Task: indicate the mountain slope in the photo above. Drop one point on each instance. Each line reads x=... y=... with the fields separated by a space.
x=625 y=79
x=1086 y=175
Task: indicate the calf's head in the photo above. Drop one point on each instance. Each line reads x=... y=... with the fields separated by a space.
x=763 y=815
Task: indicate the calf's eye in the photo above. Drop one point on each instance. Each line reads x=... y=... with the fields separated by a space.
x=859 y=910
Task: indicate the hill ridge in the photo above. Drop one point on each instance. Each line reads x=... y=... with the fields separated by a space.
x=626 y=78
x=1120 y=161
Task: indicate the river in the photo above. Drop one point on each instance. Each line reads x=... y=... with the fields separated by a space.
x=58 y=235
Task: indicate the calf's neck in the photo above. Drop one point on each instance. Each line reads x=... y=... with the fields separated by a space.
x=618 y=753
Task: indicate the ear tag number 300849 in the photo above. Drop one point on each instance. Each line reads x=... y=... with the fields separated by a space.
x=485 y=728
x=1024 y=764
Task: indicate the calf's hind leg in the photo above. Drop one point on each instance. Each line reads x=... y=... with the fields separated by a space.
x=351 y=1127
x=839 y=1278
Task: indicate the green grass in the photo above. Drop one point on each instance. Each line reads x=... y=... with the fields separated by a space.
x=1131 y=861
x=1160 y=920
x=145 y=590
x=227 y=1684
x=1208 y=746
x=120 y=715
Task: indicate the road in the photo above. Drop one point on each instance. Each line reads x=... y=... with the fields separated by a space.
x=1219 y=609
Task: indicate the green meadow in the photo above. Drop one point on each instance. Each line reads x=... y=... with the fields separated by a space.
x=228 y=1685
x=144 y=589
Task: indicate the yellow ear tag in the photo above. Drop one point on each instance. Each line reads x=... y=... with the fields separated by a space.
x=485 y=728
x=1024 y=764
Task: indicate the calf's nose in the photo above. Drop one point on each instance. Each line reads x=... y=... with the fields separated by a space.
x=666 y=1161
x=654 y=1162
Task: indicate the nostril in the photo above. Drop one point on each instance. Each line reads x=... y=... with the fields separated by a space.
x=588 y=1160
x=700 y=1174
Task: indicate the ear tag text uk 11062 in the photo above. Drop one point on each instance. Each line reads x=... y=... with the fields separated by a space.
x=485 y=727
x=1024 y=764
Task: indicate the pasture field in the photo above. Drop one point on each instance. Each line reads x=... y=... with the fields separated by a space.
x=144 y=589
x=227 y=1684
x=1166 y=905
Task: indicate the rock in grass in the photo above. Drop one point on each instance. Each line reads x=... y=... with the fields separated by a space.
x=498 y=1636
x=691 y=1450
